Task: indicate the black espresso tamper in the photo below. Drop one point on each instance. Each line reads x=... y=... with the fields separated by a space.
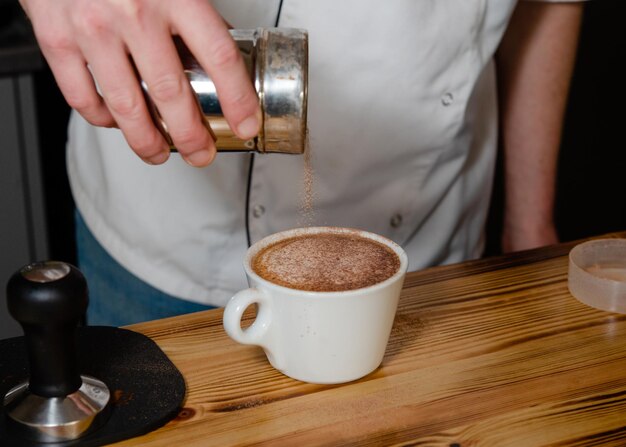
x=56 y=404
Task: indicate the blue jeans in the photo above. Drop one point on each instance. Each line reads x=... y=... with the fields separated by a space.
x=116 y=296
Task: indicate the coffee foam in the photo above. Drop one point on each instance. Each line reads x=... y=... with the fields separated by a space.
x=325 y=262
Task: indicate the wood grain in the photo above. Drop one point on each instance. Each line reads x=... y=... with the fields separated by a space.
x=494 y=352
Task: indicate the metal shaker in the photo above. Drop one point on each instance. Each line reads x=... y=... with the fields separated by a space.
x=277 y=61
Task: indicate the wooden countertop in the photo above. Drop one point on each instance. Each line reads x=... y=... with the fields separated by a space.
x=494 y=352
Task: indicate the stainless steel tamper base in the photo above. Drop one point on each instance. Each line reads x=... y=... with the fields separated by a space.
x=56 y=419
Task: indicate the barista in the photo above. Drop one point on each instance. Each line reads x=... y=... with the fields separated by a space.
x=403 y=116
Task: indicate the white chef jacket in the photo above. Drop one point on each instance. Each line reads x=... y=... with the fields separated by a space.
x=403 y=130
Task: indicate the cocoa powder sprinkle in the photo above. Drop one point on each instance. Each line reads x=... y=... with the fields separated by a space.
x=307 y=195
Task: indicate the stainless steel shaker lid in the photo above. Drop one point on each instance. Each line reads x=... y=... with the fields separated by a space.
x=282 y=65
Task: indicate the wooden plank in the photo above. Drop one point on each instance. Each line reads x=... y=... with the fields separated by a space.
x=491 y=352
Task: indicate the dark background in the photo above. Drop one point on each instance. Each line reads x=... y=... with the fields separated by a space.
x=592 y=179
x=591 y=190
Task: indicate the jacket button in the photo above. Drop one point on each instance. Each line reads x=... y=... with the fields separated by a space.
x=396 y=220
x=258 y=210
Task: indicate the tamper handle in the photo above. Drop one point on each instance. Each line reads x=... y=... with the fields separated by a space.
x=48 y=299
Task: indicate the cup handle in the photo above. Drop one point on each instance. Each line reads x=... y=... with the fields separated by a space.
x=258 y=332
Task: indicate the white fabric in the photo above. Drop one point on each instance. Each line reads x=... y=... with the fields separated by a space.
x=402 y=117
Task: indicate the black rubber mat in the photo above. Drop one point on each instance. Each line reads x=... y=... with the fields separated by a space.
x=147 y=390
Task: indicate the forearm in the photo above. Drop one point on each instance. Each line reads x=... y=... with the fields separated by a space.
x=535 y=63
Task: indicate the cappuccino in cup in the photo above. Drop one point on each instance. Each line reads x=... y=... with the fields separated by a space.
x=326 y=299
x=326 y=262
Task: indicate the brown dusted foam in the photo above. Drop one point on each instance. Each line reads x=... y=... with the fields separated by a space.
x=326 y=262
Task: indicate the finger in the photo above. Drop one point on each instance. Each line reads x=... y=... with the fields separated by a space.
x=79 y=90
x=118 y=83
x=207 y=36
x=159 y=66
x=70 y=70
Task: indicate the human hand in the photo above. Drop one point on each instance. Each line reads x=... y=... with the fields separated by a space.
x=105 y=35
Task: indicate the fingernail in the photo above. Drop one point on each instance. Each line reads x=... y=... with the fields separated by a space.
x=199 y=158
x=159 y=158
x=249 y=127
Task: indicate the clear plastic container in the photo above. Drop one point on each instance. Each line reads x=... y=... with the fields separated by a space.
x=597 y=274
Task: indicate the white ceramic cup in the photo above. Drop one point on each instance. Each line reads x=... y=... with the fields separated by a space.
x=318 y=337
